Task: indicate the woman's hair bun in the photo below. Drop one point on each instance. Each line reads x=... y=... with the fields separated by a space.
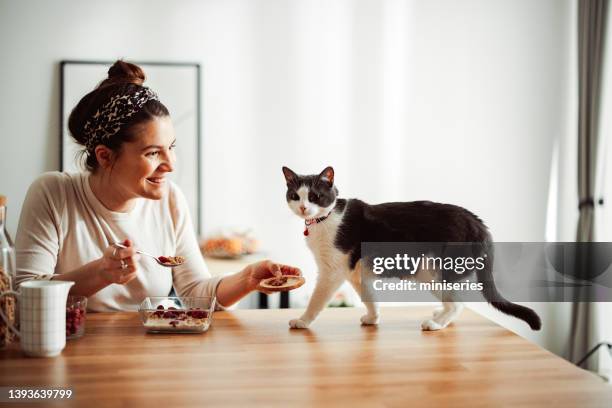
x=124 y=72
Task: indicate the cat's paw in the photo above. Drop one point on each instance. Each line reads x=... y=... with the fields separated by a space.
x=437 y=312
x=369 y=320
x=431 y=325
x=298 y=324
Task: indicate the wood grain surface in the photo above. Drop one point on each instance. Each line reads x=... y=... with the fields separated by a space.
x=251 y=358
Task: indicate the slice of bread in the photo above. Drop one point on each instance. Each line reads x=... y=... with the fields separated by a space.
x=283 y=284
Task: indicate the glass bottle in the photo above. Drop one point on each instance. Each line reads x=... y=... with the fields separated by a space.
x=8 y=273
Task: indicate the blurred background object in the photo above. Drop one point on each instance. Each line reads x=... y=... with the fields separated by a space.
x=229 y=244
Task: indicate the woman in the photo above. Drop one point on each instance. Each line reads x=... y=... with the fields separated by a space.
x=69 y=222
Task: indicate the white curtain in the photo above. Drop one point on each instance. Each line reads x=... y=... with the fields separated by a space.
x=589 y=323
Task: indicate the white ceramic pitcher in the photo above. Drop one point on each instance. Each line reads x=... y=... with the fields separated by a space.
x=42 y=316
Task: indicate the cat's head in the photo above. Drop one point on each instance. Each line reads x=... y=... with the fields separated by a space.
x=311 y=196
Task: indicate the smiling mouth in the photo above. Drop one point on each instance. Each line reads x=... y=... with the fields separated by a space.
x=156 y=180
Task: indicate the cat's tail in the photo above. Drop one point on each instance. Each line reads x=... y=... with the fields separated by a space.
x=490 y=293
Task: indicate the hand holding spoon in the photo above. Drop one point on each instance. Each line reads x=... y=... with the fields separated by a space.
x=167 y=261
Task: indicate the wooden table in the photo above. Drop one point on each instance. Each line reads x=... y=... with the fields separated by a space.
x=251 y=358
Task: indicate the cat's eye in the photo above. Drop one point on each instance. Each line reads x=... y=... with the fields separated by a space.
x=294 y=196
x=313 y=197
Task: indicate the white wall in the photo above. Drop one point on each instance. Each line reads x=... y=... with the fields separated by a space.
x=455 y=101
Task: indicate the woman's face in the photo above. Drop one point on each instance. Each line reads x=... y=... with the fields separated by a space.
x=141 y=167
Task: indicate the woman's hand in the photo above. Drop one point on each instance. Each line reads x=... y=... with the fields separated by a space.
x=256 y=272
x=118 y=265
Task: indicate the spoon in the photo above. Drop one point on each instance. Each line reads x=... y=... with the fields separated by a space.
x=169 y=264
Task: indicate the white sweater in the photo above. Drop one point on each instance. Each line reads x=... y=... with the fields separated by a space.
x=64 y=226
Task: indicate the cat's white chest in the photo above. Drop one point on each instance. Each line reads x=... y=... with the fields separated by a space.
x=320 y=240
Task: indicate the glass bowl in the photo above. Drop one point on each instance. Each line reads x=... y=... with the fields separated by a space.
x=76 y=309
x=177 y=314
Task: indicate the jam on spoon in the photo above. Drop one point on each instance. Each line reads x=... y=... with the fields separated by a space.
x=168 y=261
x=171 y=260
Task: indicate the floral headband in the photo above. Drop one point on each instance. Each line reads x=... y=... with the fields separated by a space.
x=109 y=118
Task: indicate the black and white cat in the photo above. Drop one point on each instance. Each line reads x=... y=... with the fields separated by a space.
x=336 y=227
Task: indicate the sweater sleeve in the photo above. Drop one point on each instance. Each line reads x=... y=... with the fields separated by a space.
x=191 y=278
x=37 y=241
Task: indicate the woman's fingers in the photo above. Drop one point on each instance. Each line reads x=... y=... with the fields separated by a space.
x=270 y=269
x=276 y=270
x=265 y=269
x=122 y=253
x=114 y=252
x=290 y=270
x=120 y=264
x=126 y=277
x=128 y=264
x=127 y=270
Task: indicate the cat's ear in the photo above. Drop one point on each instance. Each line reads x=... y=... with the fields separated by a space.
x=327 y=176
x=290 y=176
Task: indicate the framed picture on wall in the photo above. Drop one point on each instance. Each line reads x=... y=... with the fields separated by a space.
x=178 y=87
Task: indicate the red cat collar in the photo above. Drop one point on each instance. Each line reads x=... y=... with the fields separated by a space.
x=311 y=221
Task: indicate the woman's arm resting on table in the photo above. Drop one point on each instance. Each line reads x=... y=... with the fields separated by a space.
x=234 y=287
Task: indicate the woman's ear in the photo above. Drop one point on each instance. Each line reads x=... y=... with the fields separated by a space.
x=105 y=156
x=327 y=176
x=290 y=176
